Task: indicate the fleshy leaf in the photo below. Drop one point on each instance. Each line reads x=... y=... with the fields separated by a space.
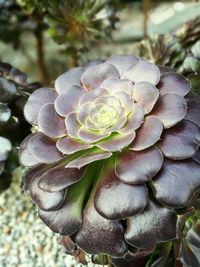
x=90 y=63
x=114 y=85
x=92 y=95
x=175 y=184
x=99 y=235
x=68 y=102
x=59 y=178
x=30 y=174
x=123 y=62
x=148 y=134
x=116 y=200
x=134 y=121
x=172 y=82
x=146 y=94
x=68 y=146
x=50 y=123
x=90 y=156
x=44 y=149
x=146 y=229
x=5 y=113
x=116 y=142
x=5 y=148
x=193 y=110
x=137 y=262
x=26 y=157
x=36 y=100
x=181 y=141
x=45 y=200
x=143 y=71
x=72 y=125
x=90 y=136
x=72 y=77
x=170 y=109
x=8 y=90
x=96 y=74
x=138 y=167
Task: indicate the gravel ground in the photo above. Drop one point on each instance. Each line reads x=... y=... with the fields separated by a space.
x=24 y=240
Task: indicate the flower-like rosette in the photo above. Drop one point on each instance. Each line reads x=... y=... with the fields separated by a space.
x=109 y=129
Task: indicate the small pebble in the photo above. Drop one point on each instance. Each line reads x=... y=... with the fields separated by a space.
x=25 y=240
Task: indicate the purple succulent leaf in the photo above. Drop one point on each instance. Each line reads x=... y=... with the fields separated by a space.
x=177 y=181
x=68 y=145
x=114 y=85
x=59 y=178
x=95 y=75
x=68 y=102
x=44 y=149
x=170 y=109
x=116 y=200
x=126 y=101
x=89 y=157
x=92 y=95
x=45 y=200
x=138 y=167
x=172 y=82
x=37 y=100
x=72 y=125
x=30 y=174
x=148 y=134
x=143 y=71
x=116 y=142
x=26 y=157
x=66 y=220
x=50 y=123
x=180 y=141
x=89 y=136
x=84 y=112
x=146 y=229
x=99 y=235
x=193 y=112
x=123 y=62
x=134 y=120
x=108 y=100
x=146 y=94
x=72 y=77
x=165 y=69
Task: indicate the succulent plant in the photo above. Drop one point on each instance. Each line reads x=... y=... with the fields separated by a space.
x=113 y=156
x=13 y=90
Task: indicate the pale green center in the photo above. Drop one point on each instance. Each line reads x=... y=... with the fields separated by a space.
x=106 y=115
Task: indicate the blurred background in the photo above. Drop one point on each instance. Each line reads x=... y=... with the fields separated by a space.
x=40 y=40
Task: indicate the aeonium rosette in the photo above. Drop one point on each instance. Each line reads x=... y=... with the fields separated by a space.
x=114 y=153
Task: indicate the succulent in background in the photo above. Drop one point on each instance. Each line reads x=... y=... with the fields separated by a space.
x=113 y=156
x=14 y=90
x=78 y=24
x=180 y=50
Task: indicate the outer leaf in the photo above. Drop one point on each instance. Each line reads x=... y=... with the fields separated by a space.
x=181 y=141
x=50 y=123
x=148 y=134
x=176 y=182
x=116 y=200
x=36 y=100
x=138 y=167
x=170 y=109
x=148 y=228
x=95 y=75
x=72 y=77
x=99 y=235
x=44 y=149
x=143 y=71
